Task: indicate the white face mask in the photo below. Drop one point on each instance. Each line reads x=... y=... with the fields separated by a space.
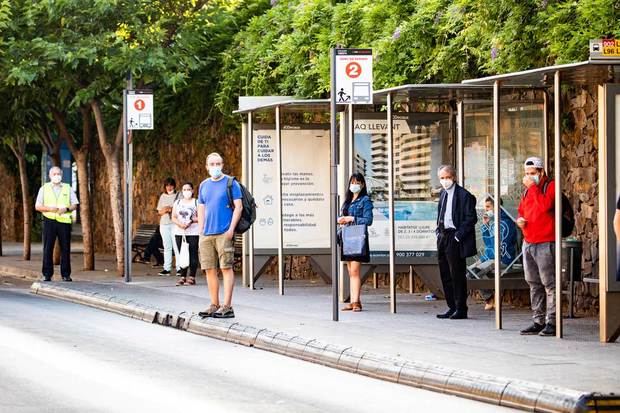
x=215 y=171
x=187 y=194
x=490 y=214
x=56 y=179
x=355 y=188
x=446 y=183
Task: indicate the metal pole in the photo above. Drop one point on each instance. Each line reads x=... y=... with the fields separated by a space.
x=546 y=130
x=244 y=179
x=496 y=208
x=460 y=132
x=127 y=191
x=557 y=153
x=334 y=189
x=250 y=181
x=280 y=209
x=390 y=137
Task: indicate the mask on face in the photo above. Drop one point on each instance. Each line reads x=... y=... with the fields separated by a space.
x=535 y=178
x=490 y=214
x=56 y=179
x=355 y=188
x=187 y=194
x=446 y=183
x=215 y=171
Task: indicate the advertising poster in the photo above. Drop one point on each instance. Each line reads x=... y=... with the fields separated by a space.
x=305 y=186
x=419 y=149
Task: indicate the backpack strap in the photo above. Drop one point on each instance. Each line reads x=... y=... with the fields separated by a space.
x=229 y=185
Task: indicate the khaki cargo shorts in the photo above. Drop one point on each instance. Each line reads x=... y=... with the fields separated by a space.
x=214 y=250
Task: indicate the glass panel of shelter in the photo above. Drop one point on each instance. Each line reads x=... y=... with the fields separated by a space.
x=521 y=135
x=422 y=142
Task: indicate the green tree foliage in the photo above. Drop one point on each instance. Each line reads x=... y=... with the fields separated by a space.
x=286 y=49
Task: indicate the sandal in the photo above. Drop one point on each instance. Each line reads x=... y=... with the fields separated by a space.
x=191 y=281
x=357 y=307
x=181 y=281
x=348 y=307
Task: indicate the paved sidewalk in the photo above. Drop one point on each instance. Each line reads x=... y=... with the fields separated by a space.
x=577 y=362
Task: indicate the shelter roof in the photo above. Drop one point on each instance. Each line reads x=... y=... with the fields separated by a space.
x=590 y=72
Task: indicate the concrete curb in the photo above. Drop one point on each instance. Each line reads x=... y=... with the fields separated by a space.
x=500 y=391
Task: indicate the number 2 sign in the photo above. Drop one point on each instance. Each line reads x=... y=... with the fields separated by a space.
x=353 y=76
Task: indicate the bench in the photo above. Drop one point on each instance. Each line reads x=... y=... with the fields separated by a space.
x=141 y=239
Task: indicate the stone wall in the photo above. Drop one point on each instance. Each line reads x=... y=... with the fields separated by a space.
x=184 y=161
x=580 y=184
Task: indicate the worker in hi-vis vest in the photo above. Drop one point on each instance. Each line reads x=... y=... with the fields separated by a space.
x=56 y=201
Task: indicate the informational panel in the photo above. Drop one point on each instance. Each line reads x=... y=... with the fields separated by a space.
x=305 y=186
x=419 y=149
x=613 y=283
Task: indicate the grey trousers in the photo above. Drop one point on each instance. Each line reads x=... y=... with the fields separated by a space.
x=539 y=266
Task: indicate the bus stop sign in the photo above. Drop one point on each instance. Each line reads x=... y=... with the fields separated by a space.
x=354 y=76
x=139 y=109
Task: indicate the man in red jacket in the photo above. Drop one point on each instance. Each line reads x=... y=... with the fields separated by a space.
x=537 y=221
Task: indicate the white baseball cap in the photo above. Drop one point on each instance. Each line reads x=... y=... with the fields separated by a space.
x=533 y=162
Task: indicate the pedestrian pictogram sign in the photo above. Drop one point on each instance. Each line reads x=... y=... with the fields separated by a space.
x=139 y=109
x=353 y=76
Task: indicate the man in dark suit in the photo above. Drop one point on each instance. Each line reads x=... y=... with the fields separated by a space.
x=456 y=240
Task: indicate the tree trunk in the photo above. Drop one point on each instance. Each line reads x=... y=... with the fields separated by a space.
x=111 y=154
x=23 y=177
x=81 y=159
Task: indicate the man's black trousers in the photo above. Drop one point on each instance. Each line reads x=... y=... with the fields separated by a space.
x=53 y=229
x=452 y=269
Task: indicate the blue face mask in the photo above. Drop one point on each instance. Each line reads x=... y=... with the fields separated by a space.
x=215 y=171
x=355 y=188
x=536 y=178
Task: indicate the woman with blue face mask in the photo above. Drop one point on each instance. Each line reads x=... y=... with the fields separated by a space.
x=356 y=210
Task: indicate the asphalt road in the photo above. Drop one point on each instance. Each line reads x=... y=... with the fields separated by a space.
x=62 y=357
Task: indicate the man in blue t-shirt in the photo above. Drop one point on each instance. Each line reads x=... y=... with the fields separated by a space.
x=217 y=219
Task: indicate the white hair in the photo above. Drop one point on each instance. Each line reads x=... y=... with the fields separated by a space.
x=448 y=168
x=215 y=155
x=55 y=169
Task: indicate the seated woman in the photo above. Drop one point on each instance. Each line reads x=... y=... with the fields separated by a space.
x=508 y=236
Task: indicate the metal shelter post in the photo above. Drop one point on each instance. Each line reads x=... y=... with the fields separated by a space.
x=460 y=132
x=250 y=183
x=280 y=209
x=546 y=130
x=333 y=185
x=496 y=204
x=557 y=153
x=390 y=142
x=244 y=175
x=127 y=192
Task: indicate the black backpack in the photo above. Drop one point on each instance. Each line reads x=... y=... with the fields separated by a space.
x=568 y=217
x=248 y=214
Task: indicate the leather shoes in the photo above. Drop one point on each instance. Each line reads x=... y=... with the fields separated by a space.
x=458 y=316
x=447 y=314
x=46 y=279
x=68 y=279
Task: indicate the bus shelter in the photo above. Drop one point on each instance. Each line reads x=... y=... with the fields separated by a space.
x=603 y=76
x=485 y=127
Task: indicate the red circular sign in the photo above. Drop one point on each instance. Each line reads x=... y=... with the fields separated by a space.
x=353 y=70
x=139 y=104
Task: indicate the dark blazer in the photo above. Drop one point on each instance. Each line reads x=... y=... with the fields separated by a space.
x=464 y=217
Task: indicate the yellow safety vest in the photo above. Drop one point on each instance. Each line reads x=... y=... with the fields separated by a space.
x=62 y=200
